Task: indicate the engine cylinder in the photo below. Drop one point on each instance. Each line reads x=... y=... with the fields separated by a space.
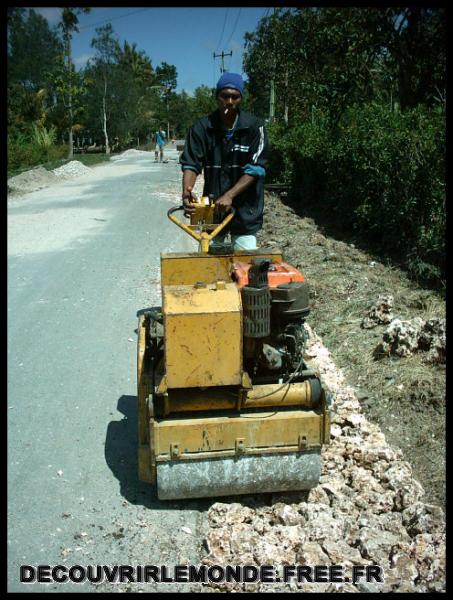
x=256 y=304
x=256 y=301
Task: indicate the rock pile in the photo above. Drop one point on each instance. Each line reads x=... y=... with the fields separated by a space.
x=28 y=181
x=39 y=177
x=74 y=168
x=367 y=509
x=380 y=313
x=433 y=337
x=403 y=338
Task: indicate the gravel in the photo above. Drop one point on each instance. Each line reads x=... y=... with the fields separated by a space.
x=367 y=510
x=32 y=180
x=71 y=169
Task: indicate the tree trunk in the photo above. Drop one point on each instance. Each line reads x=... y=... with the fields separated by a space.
x=168 y=121
x=104 y=117
x=286 y=98
x=71 y=148
x=272 y=102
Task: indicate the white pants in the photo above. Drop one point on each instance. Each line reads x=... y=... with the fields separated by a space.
x=239 y=242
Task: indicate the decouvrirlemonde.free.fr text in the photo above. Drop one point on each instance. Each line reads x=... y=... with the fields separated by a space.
x=200 y=574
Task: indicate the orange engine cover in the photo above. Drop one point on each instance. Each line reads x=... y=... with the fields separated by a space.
x=278 y=273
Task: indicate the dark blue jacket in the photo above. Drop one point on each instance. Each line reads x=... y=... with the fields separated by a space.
x=224 y=162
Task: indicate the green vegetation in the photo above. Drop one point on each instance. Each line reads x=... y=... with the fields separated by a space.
x=359 y=127
x=24 y=152
x=117 y=101
x=380 y=176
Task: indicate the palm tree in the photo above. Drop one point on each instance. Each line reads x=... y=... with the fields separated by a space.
x=138 y=63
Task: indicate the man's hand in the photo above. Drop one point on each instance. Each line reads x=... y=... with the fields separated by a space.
x=188 y=199
x=224 y=203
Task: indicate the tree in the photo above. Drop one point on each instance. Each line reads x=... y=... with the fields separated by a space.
x=138 y=71
x=203 y=102
x=329 y=59
x=32 y=49
x=107 y=54
x=137 y=63
x=69 y=25
x=181 y=106
x=167 y=77
x=33 y=52
x=418 y=46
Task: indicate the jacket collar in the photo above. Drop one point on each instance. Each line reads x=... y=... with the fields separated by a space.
x=214 y=121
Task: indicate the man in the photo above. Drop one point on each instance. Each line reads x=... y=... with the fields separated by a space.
x=230 y=148
x=160 y=143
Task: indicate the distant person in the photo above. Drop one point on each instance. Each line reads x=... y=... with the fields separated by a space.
x=160 y=143
x=230 y=147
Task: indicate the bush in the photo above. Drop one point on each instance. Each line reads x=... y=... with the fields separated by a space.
x=24 y=152
x=21 y=154
x=379 y=173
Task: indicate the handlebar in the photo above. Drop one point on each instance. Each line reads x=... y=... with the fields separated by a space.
x=200 y=231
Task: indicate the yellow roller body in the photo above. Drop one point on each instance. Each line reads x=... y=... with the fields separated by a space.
x=203 y=335
x=204 y=428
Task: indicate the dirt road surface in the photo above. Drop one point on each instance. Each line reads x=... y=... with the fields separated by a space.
x=83 y=258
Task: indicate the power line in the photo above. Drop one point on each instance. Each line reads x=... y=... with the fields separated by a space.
x=114 y=18
x=221 y=37
x=234 y=28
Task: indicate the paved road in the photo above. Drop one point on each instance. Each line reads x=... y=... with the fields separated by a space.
x=83 y=257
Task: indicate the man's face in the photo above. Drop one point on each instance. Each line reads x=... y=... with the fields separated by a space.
x=228 y=100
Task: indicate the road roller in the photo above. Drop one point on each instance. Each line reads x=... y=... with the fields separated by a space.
x=227 y=403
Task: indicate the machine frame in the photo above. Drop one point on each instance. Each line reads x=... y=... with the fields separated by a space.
x=182 y=426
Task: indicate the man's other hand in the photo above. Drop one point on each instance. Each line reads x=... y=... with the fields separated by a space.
x=224 y=203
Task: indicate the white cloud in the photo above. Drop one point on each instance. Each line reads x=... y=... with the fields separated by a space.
x=81 y=61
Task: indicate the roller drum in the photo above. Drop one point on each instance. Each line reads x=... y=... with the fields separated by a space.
x=251 y=474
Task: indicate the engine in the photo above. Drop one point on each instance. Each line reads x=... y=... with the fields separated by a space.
x=275 y=306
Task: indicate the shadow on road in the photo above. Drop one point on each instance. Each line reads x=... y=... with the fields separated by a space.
x=121 y=448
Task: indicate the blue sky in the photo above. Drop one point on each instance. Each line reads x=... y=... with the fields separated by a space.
x=185 y=37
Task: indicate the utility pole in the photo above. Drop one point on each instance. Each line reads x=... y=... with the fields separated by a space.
x=272 y=92
x=222 y=69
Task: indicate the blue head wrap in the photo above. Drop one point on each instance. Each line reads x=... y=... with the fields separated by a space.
x=231 y=80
